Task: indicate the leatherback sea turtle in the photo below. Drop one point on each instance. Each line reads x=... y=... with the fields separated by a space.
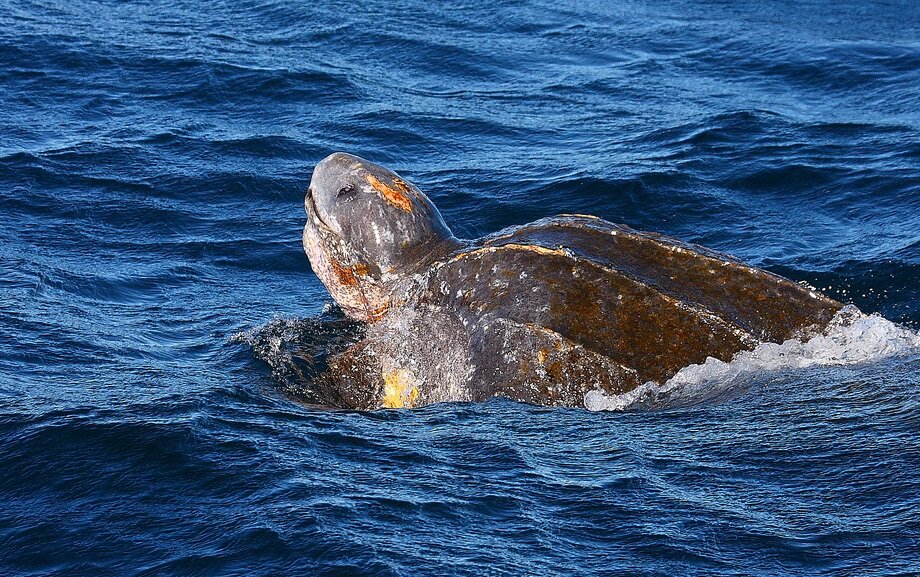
x=542 y=313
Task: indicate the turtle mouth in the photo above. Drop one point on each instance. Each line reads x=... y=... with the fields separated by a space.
x=313 y=214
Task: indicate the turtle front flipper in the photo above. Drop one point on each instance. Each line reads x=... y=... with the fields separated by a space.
x=534 y=364
x=352 y=380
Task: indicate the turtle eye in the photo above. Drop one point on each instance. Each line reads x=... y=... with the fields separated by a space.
x=347 y=189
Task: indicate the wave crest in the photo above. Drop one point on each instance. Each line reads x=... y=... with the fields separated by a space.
x=296 y=350
x=851 y=337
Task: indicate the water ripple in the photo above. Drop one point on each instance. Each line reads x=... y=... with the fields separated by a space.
x=158 y=318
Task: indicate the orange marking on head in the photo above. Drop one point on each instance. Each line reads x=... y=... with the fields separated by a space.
x=395 y=196
x=401 y=185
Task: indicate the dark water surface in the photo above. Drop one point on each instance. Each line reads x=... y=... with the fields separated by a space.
x=153 y=161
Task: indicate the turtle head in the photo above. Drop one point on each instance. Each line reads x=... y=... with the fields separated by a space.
x=367 y=230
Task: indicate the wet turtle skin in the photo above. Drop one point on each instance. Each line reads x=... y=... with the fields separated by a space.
x=541 y=313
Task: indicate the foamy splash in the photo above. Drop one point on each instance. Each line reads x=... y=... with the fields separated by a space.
x=851 y=337
x=296 y=349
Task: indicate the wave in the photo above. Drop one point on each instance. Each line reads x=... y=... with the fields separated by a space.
x=296 y=349
x=852 y=337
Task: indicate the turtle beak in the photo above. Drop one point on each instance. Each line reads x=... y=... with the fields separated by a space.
x=313 y=213
x=308 y=202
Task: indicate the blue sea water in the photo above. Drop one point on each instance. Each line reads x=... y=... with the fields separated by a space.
x=153 y=161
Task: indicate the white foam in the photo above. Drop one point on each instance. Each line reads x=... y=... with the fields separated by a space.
x=851 y=337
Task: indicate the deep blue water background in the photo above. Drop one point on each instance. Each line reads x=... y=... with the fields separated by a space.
x=153 y=161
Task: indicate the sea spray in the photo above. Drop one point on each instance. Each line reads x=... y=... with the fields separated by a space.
x=297 y=349
x=851 y=337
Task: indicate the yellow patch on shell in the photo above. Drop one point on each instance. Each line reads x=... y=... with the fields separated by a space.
x=398 y=390
x=513 y=246
x=397 y=196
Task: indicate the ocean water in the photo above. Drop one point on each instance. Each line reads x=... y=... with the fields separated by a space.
x=153 y=161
